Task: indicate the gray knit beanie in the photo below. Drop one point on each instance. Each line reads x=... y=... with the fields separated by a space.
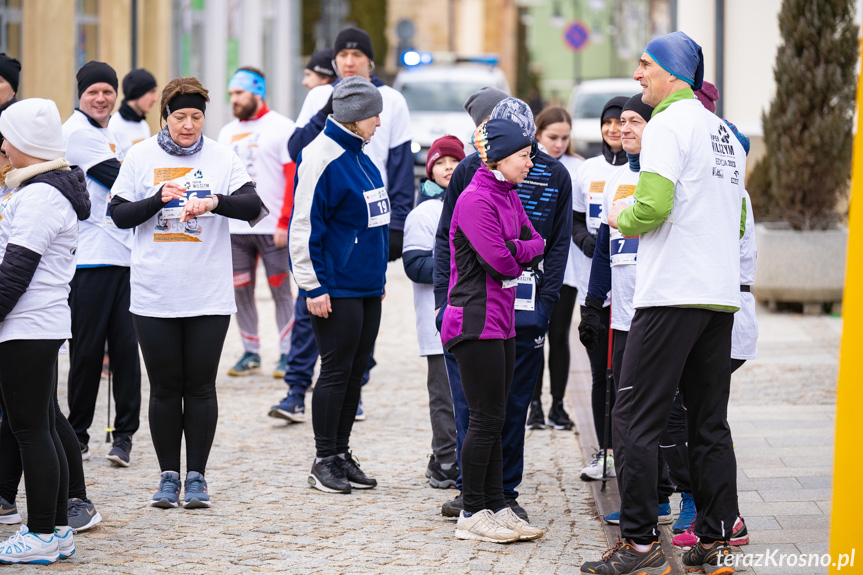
x=480 y=104
x=355 y=99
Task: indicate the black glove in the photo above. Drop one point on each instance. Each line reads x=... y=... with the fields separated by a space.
x=328 y=107
x=588 y=246
x=590 y=329
x=510 y=245
x=525 y=234
x=396 y=242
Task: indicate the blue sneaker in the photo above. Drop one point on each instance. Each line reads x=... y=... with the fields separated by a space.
x=169 y=491
x=663 y=515
x=249 y=364
x=196 y=491
x=361 y=415
x=292 y=408
x=687 y=513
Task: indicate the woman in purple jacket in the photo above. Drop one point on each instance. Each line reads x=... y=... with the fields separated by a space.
x=491 y=242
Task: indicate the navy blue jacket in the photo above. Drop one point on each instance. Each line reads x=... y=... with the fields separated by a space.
x=546 y=195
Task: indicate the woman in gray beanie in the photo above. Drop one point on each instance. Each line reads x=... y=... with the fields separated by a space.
x=339 y=242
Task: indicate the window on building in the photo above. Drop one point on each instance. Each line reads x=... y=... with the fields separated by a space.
x=10 y=27
x=86 y=31
x=188 y=23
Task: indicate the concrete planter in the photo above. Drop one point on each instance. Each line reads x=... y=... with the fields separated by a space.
x=796 y=266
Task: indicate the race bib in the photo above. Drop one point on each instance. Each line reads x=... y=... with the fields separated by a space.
x=378 y=204
x=107 y=220
x=525 y=292
x=623 y=251
x=594 y=205
x=195 y=188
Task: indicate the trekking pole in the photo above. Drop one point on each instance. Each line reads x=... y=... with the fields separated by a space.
x=606 y=424
x=108 y=429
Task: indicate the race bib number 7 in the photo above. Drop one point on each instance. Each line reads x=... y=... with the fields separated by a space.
x=378 y=204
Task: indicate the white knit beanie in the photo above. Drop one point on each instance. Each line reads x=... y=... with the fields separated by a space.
x=33 y=126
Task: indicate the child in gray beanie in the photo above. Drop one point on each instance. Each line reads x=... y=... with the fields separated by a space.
x=355 y=99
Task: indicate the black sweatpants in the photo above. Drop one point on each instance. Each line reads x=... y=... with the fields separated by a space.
x=100 y=312
x=667 y=347
x=28 y=386
x=345 y=339
x=558 y=344
x=182 y=359
x=10 y=455
x=598 y=357
x=486 y=367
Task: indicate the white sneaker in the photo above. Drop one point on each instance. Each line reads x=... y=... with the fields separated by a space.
x=65 y=540
x=510 y=520
x=593 y=472
x=483 y=527
x=26 y=547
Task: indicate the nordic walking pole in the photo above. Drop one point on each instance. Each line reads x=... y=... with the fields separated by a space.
x=108 y=429
x=606 y=424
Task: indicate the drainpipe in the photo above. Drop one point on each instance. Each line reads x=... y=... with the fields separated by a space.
x=720 y=56
x=134 y=34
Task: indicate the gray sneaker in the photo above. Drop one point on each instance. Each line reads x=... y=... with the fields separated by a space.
x=82 y=514
x=121 y=452
x=9 y=512
x=195 y=491
x=168 y=494
x=453 y=508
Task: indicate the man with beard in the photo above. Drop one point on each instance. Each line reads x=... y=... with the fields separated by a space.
x=259 y=136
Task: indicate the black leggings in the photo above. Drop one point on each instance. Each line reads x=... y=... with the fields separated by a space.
x=10 y=455
x=29 y=386
x=345 y=339
x=182 y=359
x=486 y=368
x=598 y=357
x=558 y=344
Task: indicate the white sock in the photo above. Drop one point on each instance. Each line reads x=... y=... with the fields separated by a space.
x=641 y=548
x=62 y=530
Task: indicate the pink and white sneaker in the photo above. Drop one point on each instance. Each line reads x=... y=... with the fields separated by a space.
x=739 y=535
x=687 y=539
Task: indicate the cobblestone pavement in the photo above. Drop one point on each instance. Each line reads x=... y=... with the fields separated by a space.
x=266 y=518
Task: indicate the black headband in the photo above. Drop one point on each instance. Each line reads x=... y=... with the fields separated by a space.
x=181 y=101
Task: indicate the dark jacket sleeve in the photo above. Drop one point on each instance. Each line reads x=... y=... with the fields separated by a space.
x=105 y=172
x=580 y=232
x=302 y=137
x=243 y=204
x=461 y=177
x=16 y=270
x=557 y=243
x=419 y=266
x=400 y=184
x=128 y=214
x=600 y=267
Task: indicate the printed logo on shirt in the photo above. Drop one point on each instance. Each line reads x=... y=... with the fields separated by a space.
x=623 y=191
x=166 y=174
x=539 y=341
x=176 y=231
x=113 y=148
x=237 y=137
x=735 y=180
x=3 y=203
x=721 y=141
x=246 y=146
x=717 y=172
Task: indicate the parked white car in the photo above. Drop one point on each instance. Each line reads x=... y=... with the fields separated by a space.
x=586 y=104
x=435 y=96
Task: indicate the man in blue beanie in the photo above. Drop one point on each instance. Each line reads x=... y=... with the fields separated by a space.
x=687 y=215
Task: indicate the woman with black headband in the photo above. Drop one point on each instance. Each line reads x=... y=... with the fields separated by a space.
x=177 y=189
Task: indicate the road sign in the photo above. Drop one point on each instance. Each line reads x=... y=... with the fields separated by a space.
x=577 y=36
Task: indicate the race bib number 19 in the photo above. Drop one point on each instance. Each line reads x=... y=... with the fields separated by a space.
x=378 y=204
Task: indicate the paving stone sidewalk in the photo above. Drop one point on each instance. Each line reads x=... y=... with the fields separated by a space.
x=266 y=518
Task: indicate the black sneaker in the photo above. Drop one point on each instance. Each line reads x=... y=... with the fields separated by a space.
x=328 y=475
x=715 y=559
x=516 y=508
x=121 y=453
x=356 y=477
x=453 y=508
x=625 y=558
x=536 y=418
x=439 y=477
x=85 y=451
x=558 y=418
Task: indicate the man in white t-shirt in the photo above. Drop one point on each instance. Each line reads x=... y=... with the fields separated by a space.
x=687 y=213
x=129 y=125
x=100 y=289
x=259 y=136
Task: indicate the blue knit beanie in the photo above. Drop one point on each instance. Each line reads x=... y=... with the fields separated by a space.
x=498 y=138
x=680 y=56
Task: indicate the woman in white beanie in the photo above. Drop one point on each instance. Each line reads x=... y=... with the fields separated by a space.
x=177 y=190
x=38 y=239
x=339 y=243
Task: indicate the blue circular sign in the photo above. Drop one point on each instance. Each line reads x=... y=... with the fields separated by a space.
x=577 y=36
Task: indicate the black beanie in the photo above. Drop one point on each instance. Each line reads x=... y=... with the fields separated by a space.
x=94 y=72
x=321 y=62
x=613 y=108
x=10 y=68
x=636 y=105
x=137 y=83
x=354 y=39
